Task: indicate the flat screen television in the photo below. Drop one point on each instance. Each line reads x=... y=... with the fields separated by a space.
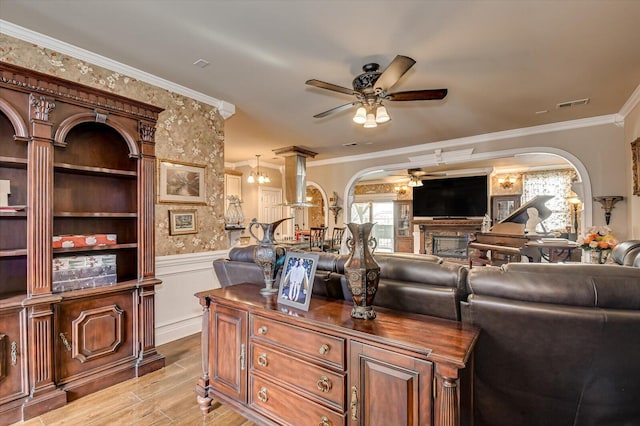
x=457 y=197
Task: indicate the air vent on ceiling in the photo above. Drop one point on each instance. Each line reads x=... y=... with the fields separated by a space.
x=350 y=144
x=201 y=63
x=573 y=103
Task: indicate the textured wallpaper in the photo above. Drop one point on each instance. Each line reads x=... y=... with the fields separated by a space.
x=188 y=131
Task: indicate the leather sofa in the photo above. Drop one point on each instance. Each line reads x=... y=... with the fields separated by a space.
x=413 y=283
x=560 y=343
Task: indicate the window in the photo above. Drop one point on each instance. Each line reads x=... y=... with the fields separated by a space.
x=381 y=213
x=551 y=182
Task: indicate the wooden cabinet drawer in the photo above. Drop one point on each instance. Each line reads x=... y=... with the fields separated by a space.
x=323 y=347
x=287 y=407
x=319 y=381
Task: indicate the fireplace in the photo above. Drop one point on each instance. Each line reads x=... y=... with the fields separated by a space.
x=450 y=246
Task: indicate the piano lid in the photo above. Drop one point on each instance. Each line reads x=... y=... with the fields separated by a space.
x=520 y=214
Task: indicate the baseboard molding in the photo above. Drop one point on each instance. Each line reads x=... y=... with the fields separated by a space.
x=177 y=330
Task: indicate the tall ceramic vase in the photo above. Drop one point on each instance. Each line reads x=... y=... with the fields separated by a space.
x=265 y=254
x=362 y=270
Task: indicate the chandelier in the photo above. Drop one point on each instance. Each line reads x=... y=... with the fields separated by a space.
x=371 y=115
x=258 y=176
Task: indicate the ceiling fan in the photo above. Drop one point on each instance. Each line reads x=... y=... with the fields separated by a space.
x=372 y=87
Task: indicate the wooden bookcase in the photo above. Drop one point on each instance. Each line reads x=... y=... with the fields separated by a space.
x=403 y=226
x=80 y=162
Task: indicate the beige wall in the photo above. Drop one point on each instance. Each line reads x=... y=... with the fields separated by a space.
x=188 y=131
x=601 y=149
x=631 y=133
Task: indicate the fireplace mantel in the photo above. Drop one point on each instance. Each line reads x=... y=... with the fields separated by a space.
x=445 y=227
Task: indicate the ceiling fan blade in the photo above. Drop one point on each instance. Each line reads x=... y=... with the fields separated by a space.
x=393 y=72
x=418 y=95
x=329 y=86
x=336 y=109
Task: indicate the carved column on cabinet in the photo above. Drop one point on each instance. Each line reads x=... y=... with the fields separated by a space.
x=202 y=387
x=148 y=359
x=39 y=201
x=146 y=201
x=447 y=396
x=43 y=394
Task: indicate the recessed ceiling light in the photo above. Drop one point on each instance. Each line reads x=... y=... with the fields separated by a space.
x=201 y=63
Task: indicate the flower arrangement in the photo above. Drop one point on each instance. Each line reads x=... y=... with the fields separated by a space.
x=599 y=239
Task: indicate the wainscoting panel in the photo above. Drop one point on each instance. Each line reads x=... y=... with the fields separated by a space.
x=178 y=313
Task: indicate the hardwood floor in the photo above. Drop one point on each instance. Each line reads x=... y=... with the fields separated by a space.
x=164 y=397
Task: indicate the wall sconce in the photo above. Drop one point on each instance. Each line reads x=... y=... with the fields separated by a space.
x=607 y=204
x=371 y=115
x=507 y=182
x=400 y=189
x=335 y=210
x=258 y=177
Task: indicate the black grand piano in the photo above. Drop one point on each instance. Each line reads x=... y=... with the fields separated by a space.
x=515 y=236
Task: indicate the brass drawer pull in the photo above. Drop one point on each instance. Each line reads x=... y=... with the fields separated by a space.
x=65 y=342
x=324 y=384
x=354 y=403
x=14 y=353
x=262 y=360
x=324 y=421
x=262 y=330
x=262 y=394
x=324 y=349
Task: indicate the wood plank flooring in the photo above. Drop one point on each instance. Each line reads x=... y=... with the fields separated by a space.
x=164 y=397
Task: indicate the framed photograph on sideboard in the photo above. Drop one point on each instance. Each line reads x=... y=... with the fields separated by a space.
x=296 y=282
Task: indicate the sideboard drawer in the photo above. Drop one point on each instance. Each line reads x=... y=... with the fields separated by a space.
x=287 y=407
x=321 y=382
x=323 y=347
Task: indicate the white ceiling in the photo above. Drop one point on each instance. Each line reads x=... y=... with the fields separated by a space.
x=502 y=61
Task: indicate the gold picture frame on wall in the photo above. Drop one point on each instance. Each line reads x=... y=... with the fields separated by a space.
x=635 y=158
x=183 y=222
x=181 y=183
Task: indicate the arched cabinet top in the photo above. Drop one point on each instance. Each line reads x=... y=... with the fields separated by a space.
x=19 y=126
x=92 y=117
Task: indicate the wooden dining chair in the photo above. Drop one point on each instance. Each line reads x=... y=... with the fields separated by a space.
x=316 y=238
x=335 y=242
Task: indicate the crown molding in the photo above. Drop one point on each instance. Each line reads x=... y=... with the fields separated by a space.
x=226 y=109
x=631 y=103
x=470 y=140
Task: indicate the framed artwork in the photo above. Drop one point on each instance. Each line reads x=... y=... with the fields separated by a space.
x=296 y=280
x=181 y=183
x=183 y=222
x=502 y=206
x=635 y=157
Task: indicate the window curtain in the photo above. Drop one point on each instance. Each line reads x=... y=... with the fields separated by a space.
x=551 y=182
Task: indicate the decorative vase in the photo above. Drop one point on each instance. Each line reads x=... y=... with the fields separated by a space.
x=362 y=270
x=265 y=255
x=600 y=256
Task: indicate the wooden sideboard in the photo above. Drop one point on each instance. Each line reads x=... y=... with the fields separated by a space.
x=280 y=365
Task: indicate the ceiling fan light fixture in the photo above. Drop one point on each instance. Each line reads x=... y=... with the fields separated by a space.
x=414 y=182
x=361 y=116
x=371 y=121
x=381 y=115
